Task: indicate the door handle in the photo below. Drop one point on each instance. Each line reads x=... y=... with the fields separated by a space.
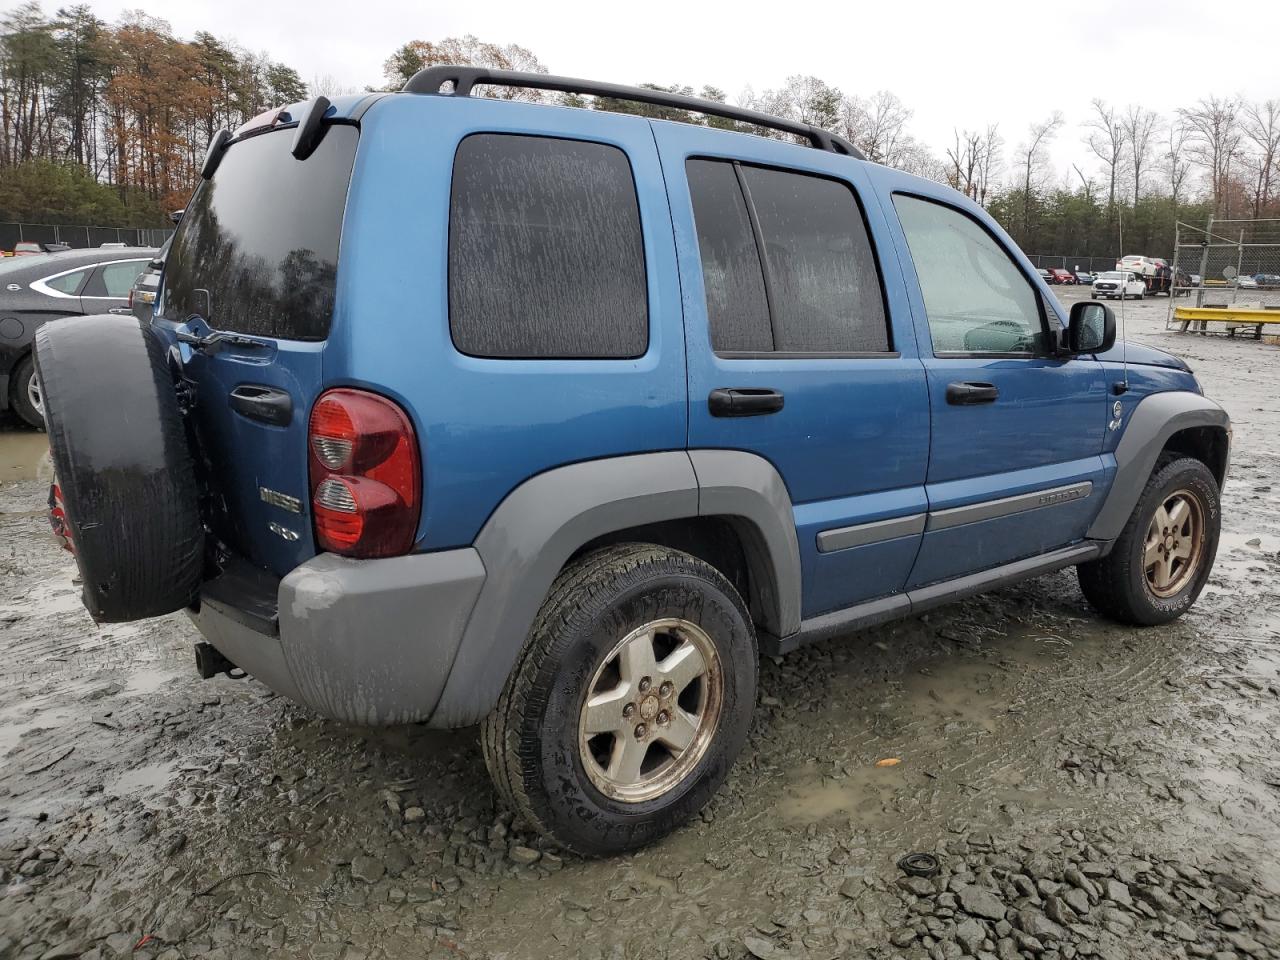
x=743 y=402
x=265 y=404
x=967 y=394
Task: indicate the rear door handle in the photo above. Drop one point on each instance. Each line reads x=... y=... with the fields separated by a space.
x=967 y=394
x=265 y=404
x=743 y=402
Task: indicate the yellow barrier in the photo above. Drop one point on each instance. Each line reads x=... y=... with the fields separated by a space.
x=1233 y=317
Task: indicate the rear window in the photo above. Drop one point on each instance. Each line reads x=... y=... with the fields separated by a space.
x=257 y=249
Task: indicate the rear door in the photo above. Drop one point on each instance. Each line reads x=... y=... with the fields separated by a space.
x=791 y=302
x=1014 y=461
x=256 y=254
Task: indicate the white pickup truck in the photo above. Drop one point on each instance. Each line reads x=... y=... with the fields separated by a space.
x=1121 y=284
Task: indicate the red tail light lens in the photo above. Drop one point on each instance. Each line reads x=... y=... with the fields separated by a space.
x=365 y=475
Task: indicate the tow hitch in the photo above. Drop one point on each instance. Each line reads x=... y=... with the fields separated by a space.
x=210 y=662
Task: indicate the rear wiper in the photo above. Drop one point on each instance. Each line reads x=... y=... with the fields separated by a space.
x=215 y=341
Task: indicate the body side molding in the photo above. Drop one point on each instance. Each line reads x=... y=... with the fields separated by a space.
x=1153 y=421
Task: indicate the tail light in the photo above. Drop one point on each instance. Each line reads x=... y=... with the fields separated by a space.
x=365 y=475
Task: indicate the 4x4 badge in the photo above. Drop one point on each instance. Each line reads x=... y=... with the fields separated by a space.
x=285 y=532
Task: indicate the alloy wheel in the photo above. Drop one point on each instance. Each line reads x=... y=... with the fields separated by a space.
x=1174 y=543
x=651 y=710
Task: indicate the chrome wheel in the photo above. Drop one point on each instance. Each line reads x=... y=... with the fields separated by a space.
x=1174 y=543
x=34 y=396
x=651 y=710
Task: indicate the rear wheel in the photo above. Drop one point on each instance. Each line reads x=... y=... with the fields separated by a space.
x=1164 y=555
x=25 y=395
x=630 y=702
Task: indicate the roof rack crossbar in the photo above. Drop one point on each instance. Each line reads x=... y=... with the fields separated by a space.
x=465 y=78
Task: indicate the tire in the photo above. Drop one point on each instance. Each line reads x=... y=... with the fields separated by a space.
x=122 y=464
x=24 y=393
x=533 y=744
x=1119 y=585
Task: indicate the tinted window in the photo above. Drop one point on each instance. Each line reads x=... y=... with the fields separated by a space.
x=545 y=252
x=68 y=282
x=976 y=298
x=737 y=310
x=822 y=275
x=113 y=279
x=257 y=249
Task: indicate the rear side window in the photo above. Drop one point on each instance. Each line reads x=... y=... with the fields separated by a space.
x=546 y=257
x=787 y=262
x=67 y=283
x=114 y=279
x=257 y=249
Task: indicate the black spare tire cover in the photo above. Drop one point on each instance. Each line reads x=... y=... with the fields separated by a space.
x=122 y=463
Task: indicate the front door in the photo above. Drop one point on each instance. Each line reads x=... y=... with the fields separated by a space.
x=1014 y=461
x=788 y=306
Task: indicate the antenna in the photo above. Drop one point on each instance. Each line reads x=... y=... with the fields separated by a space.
x=1124 y=295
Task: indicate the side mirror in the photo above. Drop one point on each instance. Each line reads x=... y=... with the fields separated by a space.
x=1091 y=329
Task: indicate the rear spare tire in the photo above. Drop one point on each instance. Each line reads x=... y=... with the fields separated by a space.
x=120 y=454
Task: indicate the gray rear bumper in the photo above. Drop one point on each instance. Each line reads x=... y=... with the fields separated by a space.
x=361 y=641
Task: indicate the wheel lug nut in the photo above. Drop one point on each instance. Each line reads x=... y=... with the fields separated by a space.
x=663 y=719
x=641 y=730
x=645 y=684
x=665 y=689
x=629 y=711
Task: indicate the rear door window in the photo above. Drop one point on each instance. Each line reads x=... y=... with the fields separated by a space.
x=787 y=262
x=114 y=279
x=68 y=283
x=546 y=255
x=257 y=249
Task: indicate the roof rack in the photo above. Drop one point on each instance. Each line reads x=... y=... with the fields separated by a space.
x=465 y=78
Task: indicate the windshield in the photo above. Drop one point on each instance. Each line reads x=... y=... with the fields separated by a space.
x=257 y=249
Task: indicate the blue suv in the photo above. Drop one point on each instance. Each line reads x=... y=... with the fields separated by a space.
x=459 y=410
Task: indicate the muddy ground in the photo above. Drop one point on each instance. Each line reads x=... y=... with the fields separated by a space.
x=1091 y=790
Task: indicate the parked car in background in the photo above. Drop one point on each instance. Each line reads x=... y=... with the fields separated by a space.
x=1084 y=278
x=1196 y=279
x=552 y=486
x=1267 y=279
x=142 y=296
x=46 y=286
x=1045 y=275
x=1245 y=282
x=1062 y=276
x=1118 y=285
x=27 y=248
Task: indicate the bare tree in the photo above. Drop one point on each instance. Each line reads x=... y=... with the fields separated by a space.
x=1139 y=126
x=992 y=161
x=1032 y=157
x=1107 y=140
x=964 y=161
x=1175 y=162
x=1213 y=142
x=1086 y=183
x=1262 y=127
x=883 y=126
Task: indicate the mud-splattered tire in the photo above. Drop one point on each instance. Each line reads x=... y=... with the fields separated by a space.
x=582 y=663
x=120 y=455
x=24 y=393
x=1144 y=581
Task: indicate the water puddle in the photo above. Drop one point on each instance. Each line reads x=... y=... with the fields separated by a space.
x=146 y=778
x=24 y=456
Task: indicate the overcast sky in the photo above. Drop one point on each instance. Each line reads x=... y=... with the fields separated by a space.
x=953 y=64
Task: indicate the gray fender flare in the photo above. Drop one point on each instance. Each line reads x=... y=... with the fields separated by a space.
x=1154 y=420
x=545 y=520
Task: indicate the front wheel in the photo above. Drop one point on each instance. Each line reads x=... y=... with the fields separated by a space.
x=630 y=702
x=1162 y=558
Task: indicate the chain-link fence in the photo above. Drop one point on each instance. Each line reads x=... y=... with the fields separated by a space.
x=1230 y=263
x=80 y=237
x=1073 y=264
